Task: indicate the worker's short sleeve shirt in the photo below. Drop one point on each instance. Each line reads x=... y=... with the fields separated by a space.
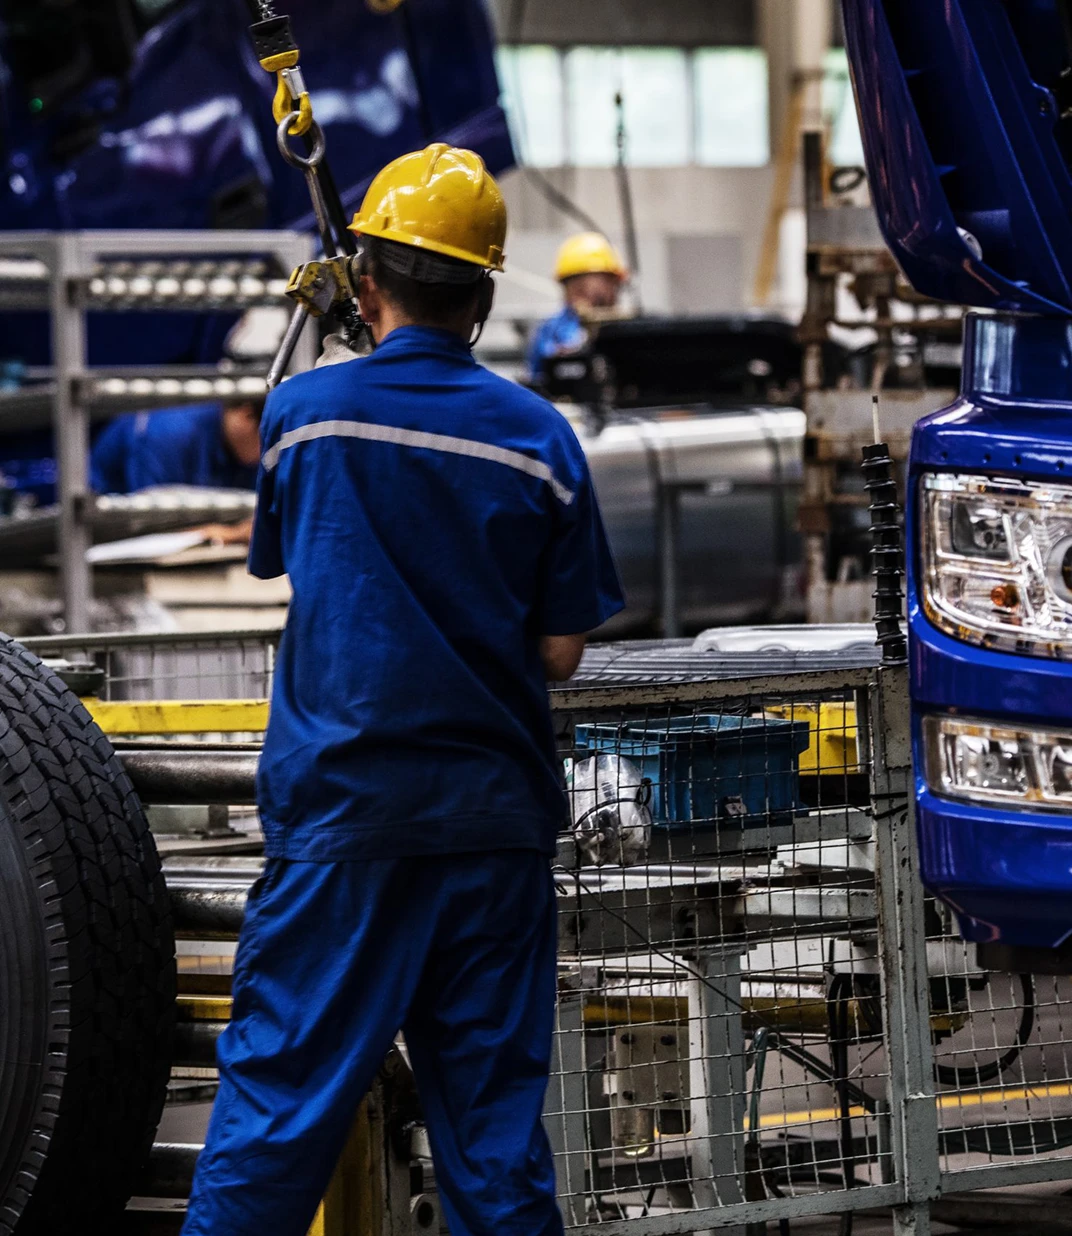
x=435 y=521
x=169 y=446
x=562 y=332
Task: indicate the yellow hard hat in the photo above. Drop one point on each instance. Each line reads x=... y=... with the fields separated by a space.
x=588 y=253
x=440 y=198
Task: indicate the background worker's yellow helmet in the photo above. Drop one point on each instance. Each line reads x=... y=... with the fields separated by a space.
x=442 y=199
x=588 y=253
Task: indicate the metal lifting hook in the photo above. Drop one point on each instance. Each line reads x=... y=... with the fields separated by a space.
x=317 y=287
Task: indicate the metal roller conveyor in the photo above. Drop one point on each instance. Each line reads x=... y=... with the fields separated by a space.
x=208 y=909
x=170 y=1170
x=624 y=910
x=195 y=1043
x=201 y=776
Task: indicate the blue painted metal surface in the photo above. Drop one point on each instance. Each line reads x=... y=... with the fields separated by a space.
x=193 y=120
x=1014 y=418
x=189 y=137
x=968 y=160
x=961 y=130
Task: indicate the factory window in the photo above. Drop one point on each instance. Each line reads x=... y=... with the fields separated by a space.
x=531 y=79
x=732 y=123
x=839 y=111
x=705 y=106
x=593 y=75
x=653 y=83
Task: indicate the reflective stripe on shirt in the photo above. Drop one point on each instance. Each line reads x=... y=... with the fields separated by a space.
x=369 y=432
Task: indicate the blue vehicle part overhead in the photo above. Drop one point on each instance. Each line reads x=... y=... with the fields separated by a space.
x=965 y=110
x=141 y=113
x=150 y=114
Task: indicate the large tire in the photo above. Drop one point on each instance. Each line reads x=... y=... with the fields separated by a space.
x=87 y=964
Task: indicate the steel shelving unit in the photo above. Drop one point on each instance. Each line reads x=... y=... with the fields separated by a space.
x=69 y=274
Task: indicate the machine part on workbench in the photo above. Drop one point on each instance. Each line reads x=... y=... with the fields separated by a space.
x=87 y=956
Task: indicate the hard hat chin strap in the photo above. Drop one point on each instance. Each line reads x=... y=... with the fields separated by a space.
x=486 y=294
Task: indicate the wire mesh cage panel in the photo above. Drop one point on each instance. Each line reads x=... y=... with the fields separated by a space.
x=721 y=1039
x=1003 y=1065
x=164 y=666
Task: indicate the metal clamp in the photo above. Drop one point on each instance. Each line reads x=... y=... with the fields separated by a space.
x=319 y=285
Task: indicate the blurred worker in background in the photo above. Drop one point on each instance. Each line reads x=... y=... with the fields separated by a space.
x=591 y=274
x=446 y=556
x=213 y=445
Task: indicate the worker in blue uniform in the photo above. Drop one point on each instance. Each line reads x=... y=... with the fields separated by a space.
x=210 y=444
x=446 y=556
x=591 y=274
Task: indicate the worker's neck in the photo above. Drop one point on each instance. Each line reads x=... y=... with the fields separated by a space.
x=392 y=319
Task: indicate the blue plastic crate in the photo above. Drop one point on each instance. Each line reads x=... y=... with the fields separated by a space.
x=712 y=770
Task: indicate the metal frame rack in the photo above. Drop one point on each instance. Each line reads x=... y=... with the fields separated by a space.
x=73 y=273
x=846 y=253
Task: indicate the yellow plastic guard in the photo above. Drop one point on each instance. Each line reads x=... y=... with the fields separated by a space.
x=831 y=739
x=178 y=716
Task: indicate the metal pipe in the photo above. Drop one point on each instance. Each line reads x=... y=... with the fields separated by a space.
x=169 y=1171
x=195 y=1043
x=185 y=776
x=669 y=523
x=227 y=867
x=208 y=909
x=286 y=349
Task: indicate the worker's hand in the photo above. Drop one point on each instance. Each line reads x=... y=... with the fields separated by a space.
x=228 y=534
x=336 y=350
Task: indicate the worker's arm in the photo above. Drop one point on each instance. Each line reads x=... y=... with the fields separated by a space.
x=579 y=588
x=561 y=655
x=228 y=534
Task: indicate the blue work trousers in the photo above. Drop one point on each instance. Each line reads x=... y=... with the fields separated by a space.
x=458 y=951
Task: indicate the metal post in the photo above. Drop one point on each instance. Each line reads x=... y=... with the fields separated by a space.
x=354 y=1204
x=669 y=538
x=564 y=1112
x=717 y=1078
x=70 y=422
x=904 y=954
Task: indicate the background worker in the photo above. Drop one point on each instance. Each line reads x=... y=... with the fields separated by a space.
x=446 y=555
x=214 y=445
x=210 y=444
x=591 y=274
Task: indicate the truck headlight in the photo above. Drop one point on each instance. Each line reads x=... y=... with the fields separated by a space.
x=996 y=763
x=997 y=562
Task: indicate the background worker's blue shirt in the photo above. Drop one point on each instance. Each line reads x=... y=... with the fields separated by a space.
x=169 y=446
x=563 y=332
x=435 y=521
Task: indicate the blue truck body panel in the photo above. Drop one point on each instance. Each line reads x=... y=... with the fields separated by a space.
x=190 y=128
x=186 y=140
x=959 y=125
x=981 y=859
x=968 y=159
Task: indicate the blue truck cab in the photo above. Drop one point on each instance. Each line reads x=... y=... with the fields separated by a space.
x=965 y=110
